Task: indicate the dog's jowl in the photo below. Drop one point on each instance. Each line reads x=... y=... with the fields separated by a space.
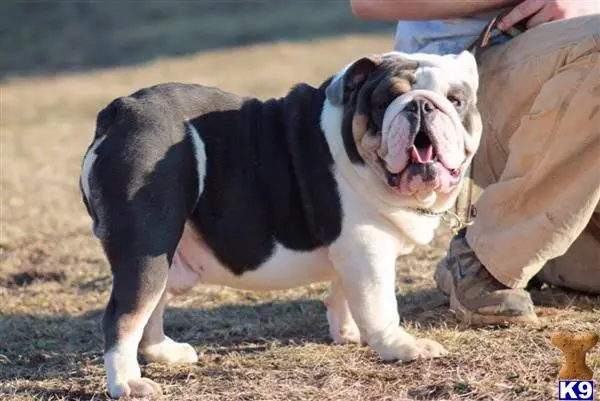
x=189 y=184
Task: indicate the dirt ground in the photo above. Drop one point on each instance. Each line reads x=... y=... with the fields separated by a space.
x=55 y=281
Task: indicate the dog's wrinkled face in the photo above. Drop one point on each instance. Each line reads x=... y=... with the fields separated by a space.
x=412 y=119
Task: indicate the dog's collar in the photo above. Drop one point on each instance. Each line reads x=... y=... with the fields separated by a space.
x=427 y=212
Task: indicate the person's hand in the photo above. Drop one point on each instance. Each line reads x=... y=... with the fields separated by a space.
x=541 y=11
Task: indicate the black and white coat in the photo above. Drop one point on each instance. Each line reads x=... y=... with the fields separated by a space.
x=187 y=184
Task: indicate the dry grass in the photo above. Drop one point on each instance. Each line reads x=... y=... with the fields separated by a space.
x=54 y=280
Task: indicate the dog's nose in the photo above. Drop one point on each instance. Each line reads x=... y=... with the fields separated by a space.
x=420 y=106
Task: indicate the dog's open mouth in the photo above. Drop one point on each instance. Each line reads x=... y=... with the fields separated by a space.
x=422 y=150
x=423 y=161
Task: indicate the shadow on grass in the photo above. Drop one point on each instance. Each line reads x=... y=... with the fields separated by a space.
x=565 y=298
x=56 y=393
x=34 y=344
x=53 y=37
x=36 y=347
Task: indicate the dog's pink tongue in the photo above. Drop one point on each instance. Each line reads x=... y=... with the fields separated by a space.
x=423 y=155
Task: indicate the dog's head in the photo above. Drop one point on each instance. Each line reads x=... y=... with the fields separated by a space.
x=410 y=123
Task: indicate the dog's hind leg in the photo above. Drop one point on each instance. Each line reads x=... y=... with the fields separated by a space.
x=155 y=346
x=143 y=189
x=140 y=245
x=123 y=325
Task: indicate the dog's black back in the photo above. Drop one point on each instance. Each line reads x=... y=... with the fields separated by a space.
x=268 y=171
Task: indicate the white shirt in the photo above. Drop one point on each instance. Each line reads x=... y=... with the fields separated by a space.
x=443 y=36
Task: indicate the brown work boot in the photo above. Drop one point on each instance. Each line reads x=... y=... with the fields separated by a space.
x=476 y=296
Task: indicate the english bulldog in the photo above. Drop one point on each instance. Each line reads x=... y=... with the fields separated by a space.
x=190 y=184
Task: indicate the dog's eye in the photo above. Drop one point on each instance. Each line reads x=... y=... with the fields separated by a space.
x=456 y=102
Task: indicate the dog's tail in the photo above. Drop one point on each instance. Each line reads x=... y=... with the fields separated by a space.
x=104 y=120
x=107 y=116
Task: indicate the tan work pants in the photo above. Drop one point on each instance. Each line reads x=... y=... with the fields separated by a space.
x=539 y=159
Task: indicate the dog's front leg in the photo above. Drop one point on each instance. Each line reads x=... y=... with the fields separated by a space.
x=365 y=263
x=342 y=327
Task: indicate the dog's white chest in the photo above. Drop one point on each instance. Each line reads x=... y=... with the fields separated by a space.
x=193 y=262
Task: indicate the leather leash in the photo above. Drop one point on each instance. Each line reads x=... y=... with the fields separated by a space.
x=464 y=212
x=484 y=37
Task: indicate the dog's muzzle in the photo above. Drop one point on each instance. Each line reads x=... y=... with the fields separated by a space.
x=424 y=143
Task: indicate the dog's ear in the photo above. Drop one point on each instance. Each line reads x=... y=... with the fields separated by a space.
x=468 y=62
x=350 y=79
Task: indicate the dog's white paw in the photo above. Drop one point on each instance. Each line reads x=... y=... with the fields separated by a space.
x=430 y=349
x=342 y=328
x=138 y=387
x=169 y=351
x=400 y=346
x=123 y=374
x=343 y=332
